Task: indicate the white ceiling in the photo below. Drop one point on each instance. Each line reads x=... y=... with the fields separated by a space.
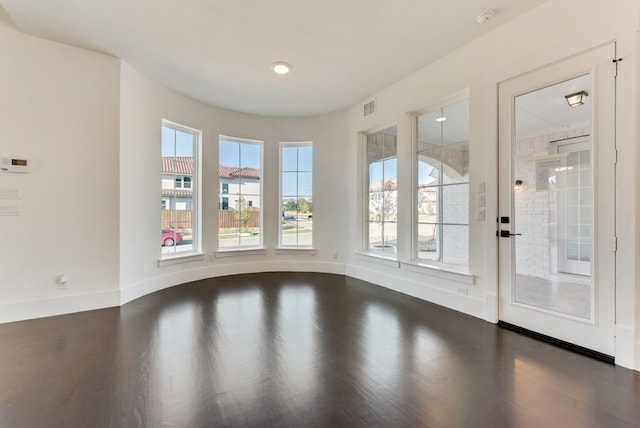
x=220 y=52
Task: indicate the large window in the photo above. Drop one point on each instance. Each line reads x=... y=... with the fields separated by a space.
x=442 y=156
x=180 y=223
x=296 y=194
x=240 y=198
x=382 y=194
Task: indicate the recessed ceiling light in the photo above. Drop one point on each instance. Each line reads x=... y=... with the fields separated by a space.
x=281 y=67
x=441 y=119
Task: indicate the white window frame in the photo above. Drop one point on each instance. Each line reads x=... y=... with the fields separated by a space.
x=365 y=199
x=280 y=195
x=438 y=264
x=246 y=249
x=196 y=210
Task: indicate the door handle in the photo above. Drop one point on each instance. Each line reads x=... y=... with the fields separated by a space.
x=507 y=234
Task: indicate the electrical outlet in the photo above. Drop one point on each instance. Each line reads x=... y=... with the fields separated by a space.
x=334 y=256
x=463 y=291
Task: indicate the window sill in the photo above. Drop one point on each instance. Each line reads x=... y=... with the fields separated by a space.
x=379 y=259
x=232 y=252
x=440 y=271
x=295 y=250
x=182 y=258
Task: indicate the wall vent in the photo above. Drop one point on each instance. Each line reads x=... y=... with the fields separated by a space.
x=369 y=107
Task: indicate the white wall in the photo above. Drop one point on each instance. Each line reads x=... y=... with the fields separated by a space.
x=59 y=109
x=144 y=105
x=537 y=38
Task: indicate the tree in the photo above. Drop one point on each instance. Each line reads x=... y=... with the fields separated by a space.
x=383 y=202
x=304 y=206
x=242 y=214
x=291 y=205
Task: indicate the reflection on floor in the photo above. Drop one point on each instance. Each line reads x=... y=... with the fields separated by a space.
x=569 y=295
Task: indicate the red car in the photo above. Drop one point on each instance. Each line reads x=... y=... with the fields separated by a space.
x=170 y=237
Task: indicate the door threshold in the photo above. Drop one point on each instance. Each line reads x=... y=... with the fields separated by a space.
x=559 y=343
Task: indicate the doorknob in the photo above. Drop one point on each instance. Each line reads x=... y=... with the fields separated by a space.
x=507 y=234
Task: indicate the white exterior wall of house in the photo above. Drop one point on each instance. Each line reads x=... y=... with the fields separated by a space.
x=168 y=182
x=250 y=188
x=51 y=110
x=537 y=210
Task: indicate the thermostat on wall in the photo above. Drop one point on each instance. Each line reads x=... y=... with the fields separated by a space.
x=14 y=165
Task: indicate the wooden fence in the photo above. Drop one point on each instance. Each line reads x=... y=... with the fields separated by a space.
x=181 y=219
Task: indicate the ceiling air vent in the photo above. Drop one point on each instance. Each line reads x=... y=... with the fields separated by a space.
x=369 y=107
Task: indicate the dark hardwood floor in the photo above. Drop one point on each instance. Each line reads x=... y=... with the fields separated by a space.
x=297 y=350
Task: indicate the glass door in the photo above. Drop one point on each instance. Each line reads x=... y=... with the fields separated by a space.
x=557 y=201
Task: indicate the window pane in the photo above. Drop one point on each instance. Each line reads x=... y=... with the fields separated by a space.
x=382 y=184
x=390 y=205
x=305 y=158
x=305 y=184
x=290 y=184
x=179 y=165
x=455 y=164
x=383 y=237
x=375 y=176
x=229 y=154
x=427 y=237
x=289 y=159
x=239 y=217
x=427 y=204
x=455 y=206
x=250 y=156
x=442 y=193
x=296 y=189
x=455 y=248
x=184 y=144
x=428 y=169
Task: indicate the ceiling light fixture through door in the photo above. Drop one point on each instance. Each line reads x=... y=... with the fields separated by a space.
x=577 y=98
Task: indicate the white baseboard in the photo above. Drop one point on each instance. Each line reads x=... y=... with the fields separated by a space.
x=48 y=307
x=465 y=304
x=626 y=348
x=142 y=288
x=492 y=309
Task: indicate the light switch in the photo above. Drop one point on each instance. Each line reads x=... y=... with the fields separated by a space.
x=481 y=187
x=481 y=200
x=481 y=214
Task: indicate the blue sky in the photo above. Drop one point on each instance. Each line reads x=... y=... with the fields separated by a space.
x=239 y=155
x=176 y=143
x=391 y=171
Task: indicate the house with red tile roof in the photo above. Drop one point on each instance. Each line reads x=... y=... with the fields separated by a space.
x=233 y=183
